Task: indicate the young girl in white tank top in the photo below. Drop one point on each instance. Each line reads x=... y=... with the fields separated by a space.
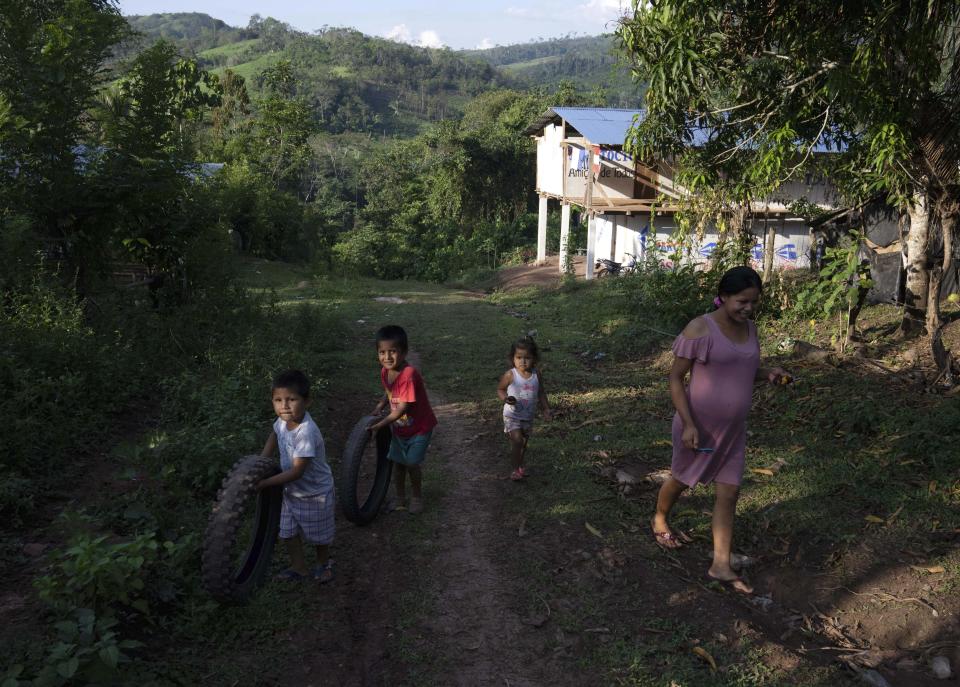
x=521 y=390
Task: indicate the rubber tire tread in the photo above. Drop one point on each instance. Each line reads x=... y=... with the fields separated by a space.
x=356 y=512
x=220 y=574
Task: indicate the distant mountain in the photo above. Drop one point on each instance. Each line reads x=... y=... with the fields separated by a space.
x=363 y=83
x=190 y=31
x=586 y=61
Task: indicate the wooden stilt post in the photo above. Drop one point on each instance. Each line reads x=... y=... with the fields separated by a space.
x=542 y=232
x=591 y=217
x=564 y=236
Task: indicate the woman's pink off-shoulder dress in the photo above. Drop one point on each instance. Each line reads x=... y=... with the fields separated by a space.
x=720 y=393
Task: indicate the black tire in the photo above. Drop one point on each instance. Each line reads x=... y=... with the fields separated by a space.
x=362 y=509
x=227 y=576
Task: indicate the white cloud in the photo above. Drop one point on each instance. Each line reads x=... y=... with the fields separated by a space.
x=429 y=39
x=425 y=39
x=399 y=33
x=485 y=44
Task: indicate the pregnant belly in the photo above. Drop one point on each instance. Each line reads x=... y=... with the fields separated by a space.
x=716 y=405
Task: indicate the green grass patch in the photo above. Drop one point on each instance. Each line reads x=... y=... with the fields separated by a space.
x=250 y=70
x=230 y=49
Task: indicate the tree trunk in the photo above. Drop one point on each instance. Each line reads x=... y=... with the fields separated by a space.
x=739 y=231
x=947 y=210
x=918 y=275
x=769 y=242
x=855 y=309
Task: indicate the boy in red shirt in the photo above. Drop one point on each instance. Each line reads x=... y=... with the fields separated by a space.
x=410 y=414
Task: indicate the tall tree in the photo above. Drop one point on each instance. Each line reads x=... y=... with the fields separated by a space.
x=282 y=130
x=769 y=81
x=51 y=56
x=145 y=172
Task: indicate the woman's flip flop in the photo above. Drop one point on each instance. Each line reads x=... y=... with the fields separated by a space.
x=731 y=584
x=667 y=541
x=664 y=539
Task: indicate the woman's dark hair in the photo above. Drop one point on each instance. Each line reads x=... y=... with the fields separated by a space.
x=294 y=380
x=394 y=333
x=737 y=279
x=525 y=343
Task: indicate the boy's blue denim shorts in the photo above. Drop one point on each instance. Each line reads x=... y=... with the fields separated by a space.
x=409 y=450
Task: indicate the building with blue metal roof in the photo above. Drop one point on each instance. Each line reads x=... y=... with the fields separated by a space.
x=631 y=204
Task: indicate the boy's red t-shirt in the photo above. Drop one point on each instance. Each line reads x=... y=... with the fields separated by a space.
x=408 y=387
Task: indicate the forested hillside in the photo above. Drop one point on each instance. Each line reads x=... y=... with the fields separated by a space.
x=385 y=86
x=193 y=31
x=351 y=81
x=588 y=62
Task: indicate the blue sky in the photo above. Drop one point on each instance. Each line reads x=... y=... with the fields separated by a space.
x=454 y=23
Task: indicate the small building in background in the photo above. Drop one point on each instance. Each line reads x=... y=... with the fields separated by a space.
x=631 y=206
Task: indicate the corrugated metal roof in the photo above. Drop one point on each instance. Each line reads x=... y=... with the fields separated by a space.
x=600 y=125
x=609 y=126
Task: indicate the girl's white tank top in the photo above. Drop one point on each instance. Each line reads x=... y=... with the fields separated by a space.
x=526 y=391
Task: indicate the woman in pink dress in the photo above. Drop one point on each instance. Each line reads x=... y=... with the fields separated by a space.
x=721 y=353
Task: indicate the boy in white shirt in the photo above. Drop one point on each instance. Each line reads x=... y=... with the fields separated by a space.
x=308 y=493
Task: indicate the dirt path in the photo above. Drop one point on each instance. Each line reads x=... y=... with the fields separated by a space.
x=479 y=608
x=468 y=628
x=477 y=623
x=546 y=274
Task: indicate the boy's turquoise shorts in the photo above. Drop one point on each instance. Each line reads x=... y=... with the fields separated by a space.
x=409 y=450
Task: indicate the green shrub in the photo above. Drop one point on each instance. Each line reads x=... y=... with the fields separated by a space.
x=97 y=574
x=55 y=373
x=88 y=650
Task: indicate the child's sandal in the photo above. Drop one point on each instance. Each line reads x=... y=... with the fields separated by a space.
x=517 y=475
x=289 y=575
x=324 y=573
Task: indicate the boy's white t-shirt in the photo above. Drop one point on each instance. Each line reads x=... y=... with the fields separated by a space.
x=304 y=442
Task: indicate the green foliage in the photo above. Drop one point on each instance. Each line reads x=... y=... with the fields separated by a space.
x=97 y=574
x=282 y=129
x=588 y=62
x=452 y=199
x=52 y=363
x=88 y=648
x=842 y=277
x=191 y=31
x=872 y=83
x=98 y=586
x=50 y=69
x=156 y=101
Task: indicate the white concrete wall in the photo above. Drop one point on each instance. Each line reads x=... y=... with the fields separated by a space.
x=792 y=244
x=550 y=160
